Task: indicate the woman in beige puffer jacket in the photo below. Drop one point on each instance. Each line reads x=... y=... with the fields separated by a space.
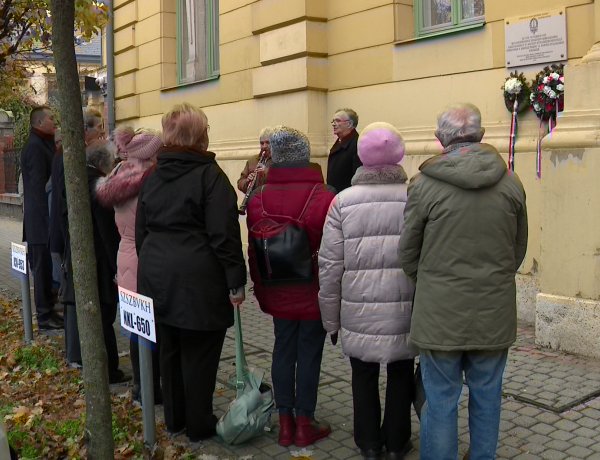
x=365 y=294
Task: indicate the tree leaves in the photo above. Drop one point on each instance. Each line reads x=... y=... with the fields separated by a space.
x=26 y=26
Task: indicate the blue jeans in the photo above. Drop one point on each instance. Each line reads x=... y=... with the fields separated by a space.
x=442 y=373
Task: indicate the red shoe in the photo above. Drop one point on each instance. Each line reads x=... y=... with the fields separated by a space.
x=309 y=431
x=287 y=429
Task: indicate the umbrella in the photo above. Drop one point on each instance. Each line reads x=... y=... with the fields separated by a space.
x=250 y=411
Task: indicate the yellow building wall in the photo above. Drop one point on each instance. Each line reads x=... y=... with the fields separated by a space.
x=296 y=61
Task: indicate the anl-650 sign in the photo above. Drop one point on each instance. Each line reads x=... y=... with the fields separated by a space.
x=137 y=314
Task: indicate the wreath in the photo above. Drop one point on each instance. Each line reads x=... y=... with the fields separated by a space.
x=547 y=95
x=515 y=87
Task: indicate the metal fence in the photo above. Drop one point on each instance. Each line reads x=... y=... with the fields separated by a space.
x=9 y=170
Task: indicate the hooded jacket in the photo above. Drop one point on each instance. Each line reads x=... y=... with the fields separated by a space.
x=120 y=190
x=188 y=241
x=465 y=235
x=364 y=291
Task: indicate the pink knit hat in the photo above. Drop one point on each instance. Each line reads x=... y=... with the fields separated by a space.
x=380 y=144
x=139 y=144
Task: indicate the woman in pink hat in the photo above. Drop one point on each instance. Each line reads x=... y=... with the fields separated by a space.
x=366 y=296
x=120 y=189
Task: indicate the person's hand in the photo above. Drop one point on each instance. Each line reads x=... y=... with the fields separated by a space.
x=237 y=296
x=259 y=168
x=251 y=177
x=334 y=338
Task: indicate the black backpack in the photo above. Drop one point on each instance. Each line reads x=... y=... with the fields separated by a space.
x=282 y=249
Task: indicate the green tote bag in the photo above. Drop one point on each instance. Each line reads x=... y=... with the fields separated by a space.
x=250 y=412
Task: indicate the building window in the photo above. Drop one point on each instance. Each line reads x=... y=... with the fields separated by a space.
x=432 y=16
x=197 y=40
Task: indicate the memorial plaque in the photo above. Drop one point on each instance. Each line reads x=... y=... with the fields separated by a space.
x=536 y=38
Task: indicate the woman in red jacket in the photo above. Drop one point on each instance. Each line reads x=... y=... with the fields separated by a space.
x=294 y=192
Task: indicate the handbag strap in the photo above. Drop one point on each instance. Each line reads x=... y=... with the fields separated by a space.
x=304 y=208
x=241 y=366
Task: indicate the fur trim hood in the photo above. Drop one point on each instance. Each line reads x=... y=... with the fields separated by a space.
x=382 y=174
x=122 y=184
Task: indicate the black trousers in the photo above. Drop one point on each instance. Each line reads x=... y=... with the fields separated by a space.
x=134 y=353
x=40 y=264
x=188 y=364
x=108 y=314
x=395 y=431
x=296 y=366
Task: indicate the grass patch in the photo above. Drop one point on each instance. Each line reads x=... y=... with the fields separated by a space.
x=5 y=410
x=36 y=358
x=68 y=428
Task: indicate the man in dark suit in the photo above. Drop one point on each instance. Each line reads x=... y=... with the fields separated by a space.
x=343 y=158
x=36 y=161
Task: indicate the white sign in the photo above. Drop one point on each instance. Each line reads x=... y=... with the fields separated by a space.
x=536 y=38
x=137 y=314
x=19 y=257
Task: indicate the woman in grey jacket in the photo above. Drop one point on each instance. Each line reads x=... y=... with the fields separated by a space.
x=366 y=295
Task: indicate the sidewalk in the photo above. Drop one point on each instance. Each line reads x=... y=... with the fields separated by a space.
x=551 y=408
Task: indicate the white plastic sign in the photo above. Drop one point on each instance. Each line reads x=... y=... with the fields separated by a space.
x=19 y=257
x=137 y=314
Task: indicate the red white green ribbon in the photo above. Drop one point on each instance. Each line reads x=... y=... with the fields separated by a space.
x=513 y=137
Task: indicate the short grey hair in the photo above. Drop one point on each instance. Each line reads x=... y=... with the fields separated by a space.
x=459 y=122
x=352 y=115
x=265 y=133
x=101 y=155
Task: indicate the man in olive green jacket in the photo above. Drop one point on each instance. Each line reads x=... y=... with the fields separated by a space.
x=465 y=236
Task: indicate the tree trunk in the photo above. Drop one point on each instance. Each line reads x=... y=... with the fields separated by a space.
x=93 y=351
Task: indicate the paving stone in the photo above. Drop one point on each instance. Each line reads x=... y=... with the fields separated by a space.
x=507 y=451
x=584 y=442
x=578 y=452
x=566 y=425
x=588 y=422
x=571 y=415
x=343 y=453
x=558 y=444
x=591 y=412
x=524 y=421
x=553 y=455
x=527 y=456
x=561 y=435
x=585 y=432
x=533 y=448
x=529 y=411
x=539 y=439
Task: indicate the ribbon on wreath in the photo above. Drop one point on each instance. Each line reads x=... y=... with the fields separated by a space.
x=513 y=137
x=538 y=153
x=547 y=130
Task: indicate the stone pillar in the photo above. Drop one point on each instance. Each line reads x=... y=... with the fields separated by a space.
x=293 y=57
x=568 y=305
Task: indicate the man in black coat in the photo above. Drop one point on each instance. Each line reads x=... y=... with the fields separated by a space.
x=36 y=161
x=343 y=158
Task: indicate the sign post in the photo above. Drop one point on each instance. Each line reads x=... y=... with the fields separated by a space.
x=137 y=316
x=19 y=264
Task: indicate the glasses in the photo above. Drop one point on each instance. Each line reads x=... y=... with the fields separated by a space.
x=337 y=121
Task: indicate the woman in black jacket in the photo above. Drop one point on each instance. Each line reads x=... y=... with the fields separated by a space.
x=191 y=264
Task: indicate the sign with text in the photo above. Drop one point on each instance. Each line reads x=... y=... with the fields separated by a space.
x=137 y=314
x=19 y=257
x=536 y=38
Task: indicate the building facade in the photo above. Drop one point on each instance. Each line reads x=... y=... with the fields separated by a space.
x=255 y=63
